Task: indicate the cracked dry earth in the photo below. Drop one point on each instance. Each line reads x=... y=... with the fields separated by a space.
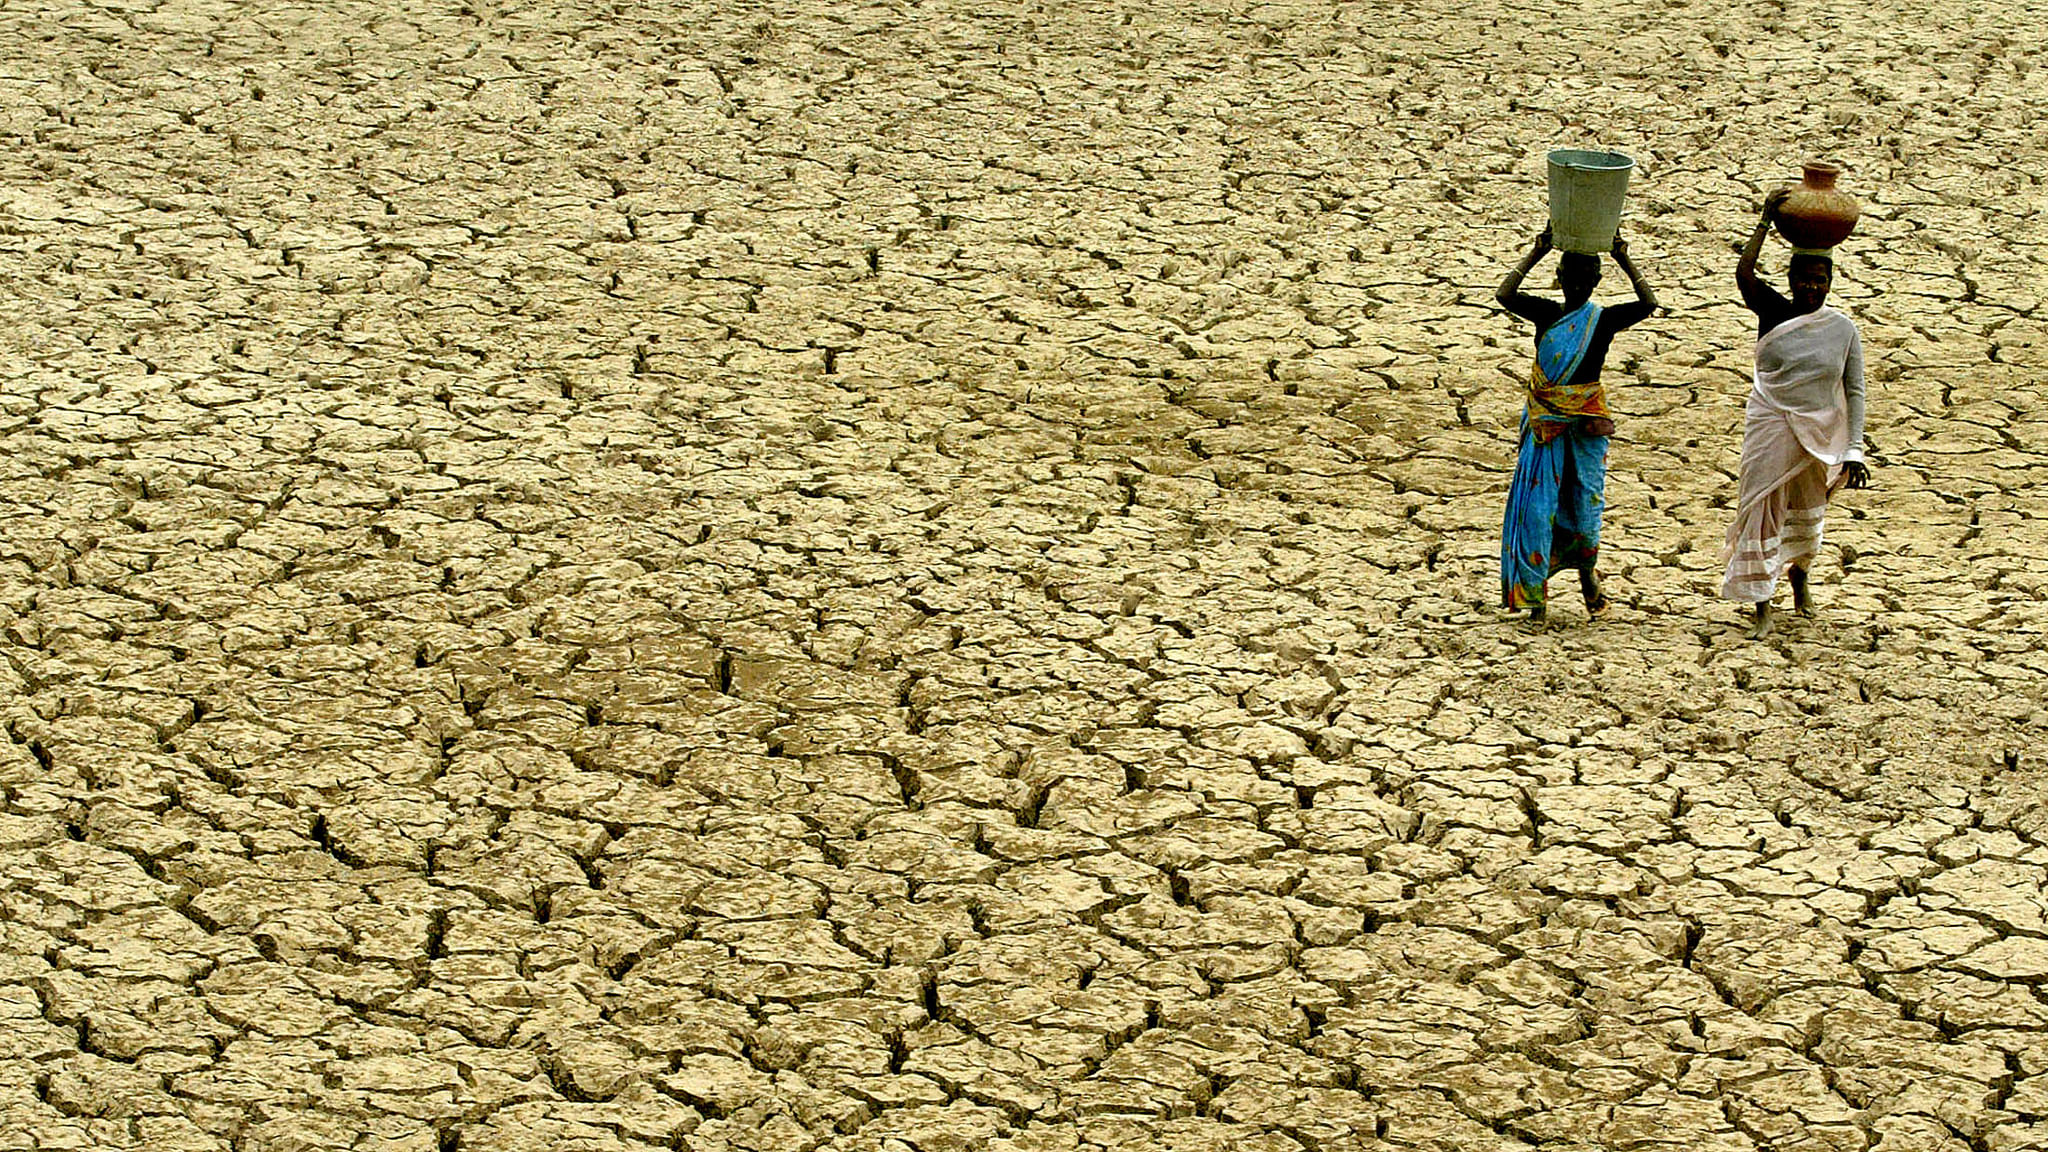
x=887 y=576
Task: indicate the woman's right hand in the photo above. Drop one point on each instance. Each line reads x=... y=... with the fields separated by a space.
x=1543 y=239
x=1775 y=201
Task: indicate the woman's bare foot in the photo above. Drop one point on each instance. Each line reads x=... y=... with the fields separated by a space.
x=1597 y=602
x=1802 y=603
x=1762 y=626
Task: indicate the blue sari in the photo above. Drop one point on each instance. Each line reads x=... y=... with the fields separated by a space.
x=1555 y=500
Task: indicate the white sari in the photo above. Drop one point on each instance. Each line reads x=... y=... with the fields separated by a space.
x=1804 y=421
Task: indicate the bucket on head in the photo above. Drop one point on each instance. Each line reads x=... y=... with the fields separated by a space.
x=1586 y=190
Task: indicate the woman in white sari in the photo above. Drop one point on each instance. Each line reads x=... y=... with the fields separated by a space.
x=1803 y=434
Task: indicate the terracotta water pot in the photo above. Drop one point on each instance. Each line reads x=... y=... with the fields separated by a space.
x=1817 y=214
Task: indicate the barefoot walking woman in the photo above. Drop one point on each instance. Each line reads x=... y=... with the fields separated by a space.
x=1554 y=503
x=1802 y=434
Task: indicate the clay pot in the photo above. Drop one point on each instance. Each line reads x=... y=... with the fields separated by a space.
x=1817 y=214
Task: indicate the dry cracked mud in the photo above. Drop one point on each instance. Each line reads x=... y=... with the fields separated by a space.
x=918 y=576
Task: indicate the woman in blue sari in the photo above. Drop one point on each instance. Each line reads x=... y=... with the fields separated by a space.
x=1554 y=503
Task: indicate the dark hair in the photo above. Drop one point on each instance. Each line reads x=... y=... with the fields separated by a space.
x=1581 y=264
x=1805 y=260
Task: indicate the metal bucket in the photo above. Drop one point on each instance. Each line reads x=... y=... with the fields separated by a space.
x=1586 y=191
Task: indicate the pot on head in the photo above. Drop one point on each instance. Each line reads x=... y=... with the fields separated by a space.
x=1816 y=215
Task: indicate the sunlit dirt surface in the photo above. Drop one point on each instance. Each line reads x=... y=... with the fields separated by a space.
x=888 y=577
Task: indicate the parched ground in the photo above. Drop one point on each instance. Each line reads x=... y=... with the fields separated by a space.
x=919 y=576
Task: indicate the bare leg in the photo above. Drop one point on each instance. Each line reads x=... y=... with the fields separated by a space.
x=1801 y=602
x=1589 y=587
x=1535 y=620
x=1762 y=626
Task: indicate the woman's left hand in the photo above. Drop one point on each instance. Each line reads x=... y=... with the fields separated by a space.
x=1855 y=475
